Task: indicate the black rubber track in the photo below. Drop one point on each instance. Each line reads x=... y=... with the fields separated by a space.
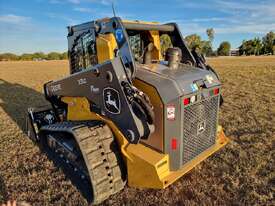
x=100 y=153
x=101 y=156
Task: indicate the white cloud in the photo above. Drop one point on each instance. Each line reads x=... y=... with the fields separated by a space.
x=106 y=2
x=62 y=1
x=55 y=1
x=247 y=28
x=191 y=28
x=102 y=2
x=83 y=9
x=74 y=1
x=69 y=20
x=237 y=17
x=14 y=19
x=261 y=9
x=208 y=19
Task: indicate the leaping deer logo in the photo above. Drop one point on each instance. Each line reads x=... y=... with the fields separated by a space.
x=111 y=100
x=201 y=127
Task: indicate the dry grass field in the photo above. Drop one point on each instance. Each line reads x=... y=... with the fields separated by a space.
x=242 y=173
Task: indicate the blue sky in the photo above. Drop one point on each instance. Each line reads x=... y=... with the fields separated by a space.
x=40 y=25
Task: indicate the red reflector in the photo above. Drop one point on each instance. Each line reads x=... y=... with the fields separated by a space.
x=216 y=91
x=186 y=101
x=174 y=144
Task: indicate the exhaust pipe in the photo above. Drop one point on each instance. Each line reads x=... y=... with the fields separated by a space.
x=173 y=56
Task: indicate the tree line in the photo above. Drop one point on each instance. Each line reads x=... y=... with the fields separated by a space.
x=258 y=46
x=255 y=46
x=34 y=56
x=205 y=47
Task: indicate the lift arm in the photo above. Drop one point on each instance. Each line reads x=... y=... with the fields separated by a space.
x=110 y=94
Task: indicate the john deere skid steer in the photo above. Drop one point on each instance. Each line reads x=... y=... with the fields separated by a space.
x=138 y=107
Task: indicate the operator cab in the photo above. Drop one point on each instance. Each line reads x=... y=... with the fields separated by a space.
x=153 y=43
x=134 y=41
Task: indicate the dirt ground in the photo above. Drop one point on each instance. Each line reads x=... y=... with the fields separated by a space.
x=242 y=173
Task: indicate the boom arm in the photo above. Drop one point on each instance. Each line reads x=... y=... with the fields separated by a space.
x=110 y=94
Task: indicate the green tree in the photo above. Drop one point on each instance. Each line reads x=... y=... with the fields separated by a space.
x=165 y=43
x=257 y=44
x=242 y=48
x=206 y=48
x=246 y=48
x=53 y=56
x=268 y=42
x=64 y=55
x=34 y=56
x=194 y=42
x=210 y=33
x=8 y=57
x=224 y=49
x=251 y=47
x=26 y=56
x=39 y=55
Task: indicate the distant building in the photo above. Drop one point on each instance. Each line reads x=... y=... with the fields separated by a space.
x=234 y=52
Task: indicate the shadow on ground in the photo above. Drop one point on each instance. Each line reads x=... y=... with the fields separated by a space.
x=15 y=99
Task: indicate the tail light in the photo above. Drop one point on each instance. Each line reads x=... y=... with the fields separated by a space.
x=186 y=101
x=214 y=91
x=174 y=143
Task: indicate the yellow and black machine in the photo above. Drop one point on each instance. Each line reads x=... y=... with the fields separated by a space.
x=138 y=107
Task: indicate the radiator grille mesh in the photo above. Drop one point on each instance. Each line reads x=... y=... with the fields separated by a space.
x=199 y=127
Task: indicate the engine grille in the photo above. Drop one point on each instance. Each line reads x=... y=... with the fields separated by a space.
x=199 y=127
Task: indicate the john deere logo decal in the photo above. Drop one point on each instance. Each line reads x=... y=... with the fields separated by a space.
x=111 y=100
x=201 y=127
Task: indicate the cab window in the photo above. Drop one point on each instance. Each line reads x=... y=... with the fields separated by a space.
x=84 y=52
x=136 y=45
x=165 y=43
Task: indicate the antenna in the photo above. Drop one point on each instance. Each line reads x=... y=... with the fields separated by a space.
x=113 y=7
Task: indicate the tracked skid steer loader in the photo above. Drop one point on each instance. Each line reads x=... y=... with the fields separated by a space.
x=138 y=107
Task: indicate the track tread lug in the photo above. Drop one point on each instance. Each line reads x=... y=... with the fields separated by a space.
x=100 y=153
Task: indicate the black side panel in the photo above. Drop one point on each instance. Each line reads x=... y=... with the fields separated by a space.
x=102 y=86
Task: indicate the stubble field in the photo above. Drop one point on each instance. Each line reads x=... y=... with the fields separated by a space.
x=242 y=173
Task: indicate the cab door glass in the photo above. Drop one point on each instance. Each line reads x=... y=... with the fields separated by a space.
x=84 y=53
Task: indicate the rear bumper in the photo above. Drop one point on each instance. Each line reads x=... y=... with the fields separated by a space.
x=149 y=169
x=222 y=140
